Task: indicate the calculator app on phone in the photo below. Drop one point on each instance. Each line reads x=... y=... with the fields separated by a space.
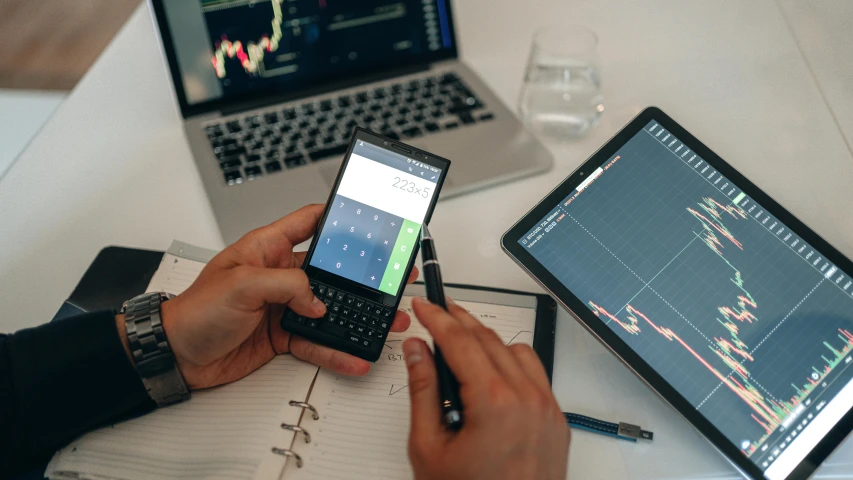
x=375 y=218
x=365 y=245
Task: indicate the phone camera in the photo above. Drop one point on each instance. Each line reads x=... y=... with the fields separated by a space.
x=385 y=143
x=581 y=173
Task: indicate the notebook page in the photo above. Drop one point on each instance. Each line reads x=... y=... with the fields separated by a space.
x=364 y=424
x=175 y=274
x=222 y=433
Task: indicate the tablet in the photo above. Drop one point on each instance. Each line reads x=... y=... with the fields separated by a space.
x=734 y=311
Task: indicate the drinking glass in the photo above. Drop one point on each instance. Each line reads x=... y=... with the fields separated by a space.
x=561 y=97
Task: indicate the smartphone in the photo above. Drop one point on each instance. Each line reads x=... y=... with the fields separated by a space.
x=366 y=242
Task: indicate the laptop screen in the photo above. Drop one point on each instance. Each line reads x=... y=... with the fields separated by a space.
x=224 y=49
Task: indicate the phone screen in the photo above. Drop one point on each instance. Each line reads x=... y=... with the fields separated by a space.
x=374 y=220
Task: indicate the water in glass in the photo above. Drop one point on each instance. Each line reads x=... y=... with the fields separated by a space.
x=561 y=97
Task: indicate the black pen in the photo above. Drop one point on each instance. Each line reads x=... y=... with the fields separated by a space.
x=448 y=386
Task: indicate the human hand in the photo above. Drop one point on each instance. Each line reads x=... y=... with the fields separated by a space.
x=227 y=324
x=513 y=427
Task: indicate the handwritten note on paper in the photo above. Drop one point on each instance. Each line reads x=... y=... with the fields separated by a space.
x=364 y=423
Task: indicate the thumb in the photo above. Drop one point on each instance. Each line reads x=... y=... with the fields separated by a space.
x=280 y=286
x=423 y=390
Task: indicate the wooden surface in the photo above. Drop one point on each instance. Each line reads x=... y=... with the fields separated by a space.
x=51 y=44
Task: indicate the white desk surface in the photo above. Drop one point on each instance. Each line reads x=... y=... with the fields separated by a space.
x=22 y=114
x=112 y=168
x=823 y=33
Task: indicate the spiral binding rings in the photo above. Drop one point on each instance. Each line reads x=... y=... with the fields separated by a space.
x=294 y=403
x=298 y=429
x=288 y=453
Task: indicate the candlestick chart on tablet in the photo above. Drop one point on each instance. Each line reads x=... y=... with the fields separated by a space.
x=743 y=318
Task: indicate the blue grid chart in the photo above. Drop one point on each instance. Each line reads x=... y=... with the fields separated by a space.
x=628 y=243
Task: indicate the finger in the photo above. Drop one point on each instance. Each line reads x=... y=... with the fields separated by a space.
x=299 y=259
x=299 y=225
x=505 y=362
x=413 y=277
x=401 y=322
x=326 y=357
x=272 y=245
x=531 y=365
x=461 y=350
x=276 y=286
x=500 y=356
x=460 y=314
x=423 y=393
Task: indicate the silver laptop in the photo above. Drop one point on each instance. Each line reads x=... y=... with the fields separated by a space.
x=270 y=92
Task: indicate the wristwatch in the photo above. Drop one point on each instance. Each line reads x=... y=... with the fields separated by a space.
x=152 y=354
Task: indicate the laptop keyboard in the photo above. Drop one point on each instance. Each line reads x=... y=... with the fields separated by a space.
x=272 y=142
x=348 y=317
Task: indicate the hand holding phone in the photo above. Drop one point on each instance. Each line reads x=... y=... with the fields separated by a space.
x=367 y=242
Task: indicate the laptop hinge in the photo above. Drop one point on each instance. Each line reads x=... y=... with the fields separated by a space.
x=330 y=87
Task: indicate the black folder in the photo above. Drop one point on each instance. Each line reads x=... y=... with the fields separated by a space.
x=116 y=275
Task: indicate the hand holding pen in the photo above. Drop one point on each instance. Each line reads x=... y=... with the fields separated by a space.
x=513 y=425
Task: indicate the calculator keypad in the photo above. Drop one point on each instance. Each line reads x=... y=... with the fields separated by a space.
x=356 y=242
x=349 y=317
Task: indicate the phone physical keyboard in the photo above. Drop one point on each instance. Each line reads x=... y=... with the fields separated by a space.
x=348 y=317
x=266 y=143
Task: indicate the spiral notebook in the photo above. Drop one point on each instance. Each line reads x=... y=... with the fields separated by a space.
x=289 y=419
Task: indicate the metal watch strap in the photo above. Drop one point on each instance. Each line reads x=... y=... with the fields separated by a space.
x=152 y=354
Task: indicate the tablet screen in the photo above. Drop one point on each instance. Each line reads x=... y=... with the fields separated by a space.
x=741 y=316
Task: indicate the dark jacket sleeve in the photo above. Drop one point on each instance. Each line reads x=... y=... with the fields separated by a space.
x=60 y=380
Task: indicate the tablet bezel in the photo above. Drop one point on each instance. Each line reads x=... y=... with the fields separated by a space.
x=578 y=309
